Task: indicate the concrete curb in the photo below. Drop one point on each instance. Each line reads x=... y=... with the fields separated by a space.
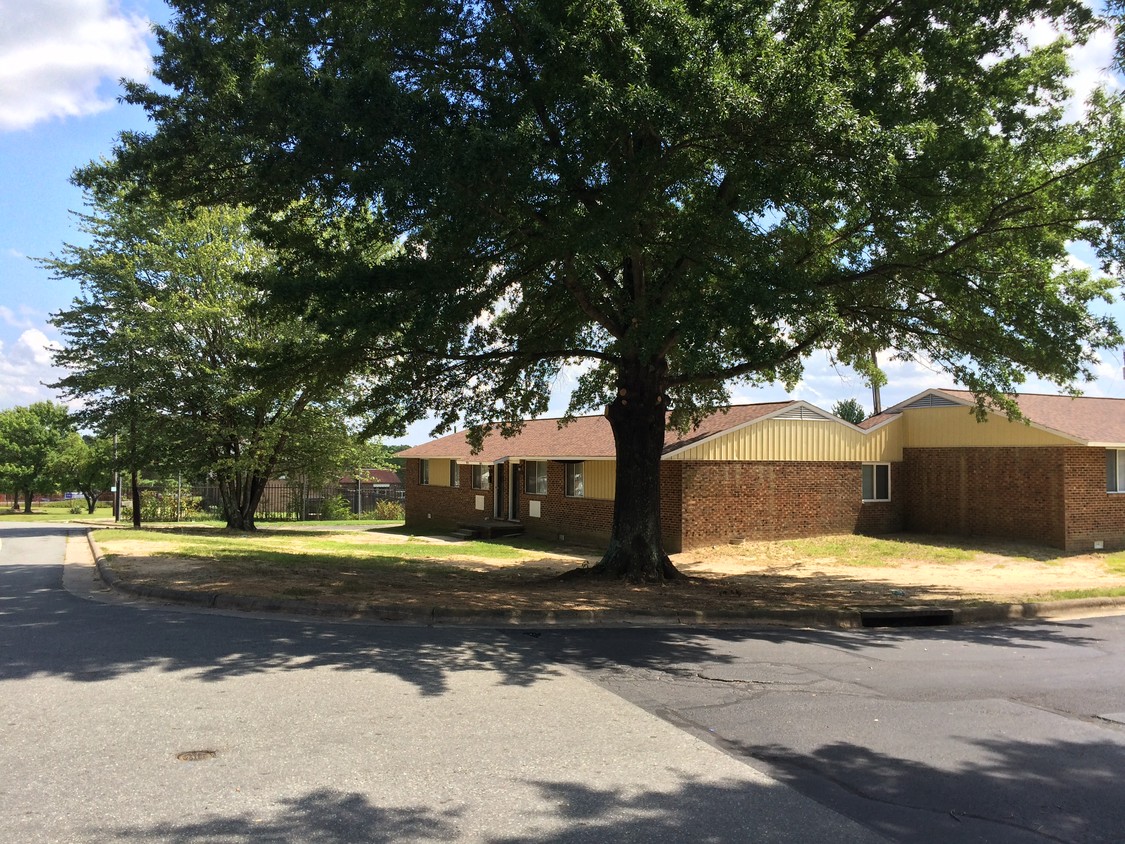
x=846 y=619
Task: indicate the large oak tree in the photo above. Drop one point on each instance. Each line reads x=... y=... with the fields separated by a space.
x=672 y=193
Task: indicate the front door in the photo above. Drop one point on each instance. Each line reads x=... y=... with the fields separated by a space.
x=514 y=498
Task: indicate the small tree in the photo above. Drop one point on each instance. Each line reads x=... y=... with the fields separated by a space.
x=84 y=463
x=30 y=439
x=172 y=343
x=849 y=410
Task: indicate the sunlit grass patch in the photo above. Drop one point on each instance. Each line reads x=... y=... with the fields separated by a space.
x=1115 y=563
x=1074 y=594
x=873 y=552
x=299 y=550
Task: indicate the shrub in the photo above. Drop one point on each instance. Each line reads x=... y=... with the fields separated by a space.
x=335 y=508
x=161 y=506
x=389 y=510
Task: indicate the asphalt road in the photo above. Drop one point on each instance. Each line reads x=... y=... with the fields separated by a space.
x=988 y=734
x=315 y=732
x=328 y=732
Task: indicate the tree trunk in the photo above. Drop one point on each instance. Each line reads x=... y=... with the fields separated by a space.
x=135 y=483
x=638 y=420
x=27 y=500
x=91 y=501
x=241 y=501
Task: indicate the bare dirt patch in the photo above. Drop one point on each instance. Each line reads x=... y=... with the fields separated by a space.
x=829 y=573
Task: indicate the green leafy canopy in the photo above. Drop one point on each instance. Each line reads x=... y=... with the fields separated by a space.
x=707 y=190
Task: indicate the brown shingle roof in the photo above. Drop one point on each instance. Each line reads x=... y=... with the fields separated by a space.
x=587 y=437
x=1088 y=418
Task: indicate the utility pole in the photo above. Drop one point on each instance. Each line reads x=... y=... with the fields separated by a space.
x=876 y=401
x=116 y=483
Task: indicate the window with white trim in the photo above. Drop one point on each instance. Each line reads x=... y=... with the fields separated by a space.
x=482 y=476
x=1115 y=470
x=535 y=477
x=424 y=472
x=876 y=481
x=454 y=473
x=575 y=485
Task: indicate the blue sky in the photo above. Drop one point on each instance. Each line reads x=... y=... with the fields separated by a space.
x=59 y=62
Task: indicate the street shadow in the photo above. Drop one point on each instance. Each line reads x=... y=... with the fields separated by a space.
x=323 y=816
x=46 y=631
x=560 y=812
x=998 y=791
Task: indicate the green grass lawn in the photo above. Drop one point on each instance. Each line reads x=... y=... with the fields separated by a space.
x=1073 y=594
x=56 y=511
x=1116 y=562
x=282 y=548
x=868 y=551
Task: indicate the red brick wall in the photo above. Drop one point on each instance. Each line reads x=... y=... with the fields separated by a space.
x=1003 y=492
x=442 y=507
x=728 y=501
x=591 y=520
x=1091 y=512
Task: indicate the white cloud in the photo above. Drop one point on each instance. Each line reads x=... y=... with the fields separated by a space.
x=55 y=56
x=25 y=366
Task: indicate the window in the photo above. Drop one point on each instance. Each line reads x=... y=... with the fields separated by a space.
x=424 y=472
x=575 y=488
x=876 y=481
x=1115 y=470
x=454 y=473
x=535 y=477
x=482 y=476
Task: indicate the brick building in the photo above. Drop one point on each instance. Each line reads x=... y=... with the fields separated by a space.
x=789 y=469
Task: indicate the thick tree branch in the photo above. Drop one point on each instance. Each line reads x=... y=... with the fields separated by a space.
x=792 y=353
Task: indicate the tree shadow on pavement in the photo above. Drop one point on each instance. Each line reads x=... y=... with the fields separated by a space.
x=46 y=631
x=715 y=812
x=323 y=816
x=998 y=791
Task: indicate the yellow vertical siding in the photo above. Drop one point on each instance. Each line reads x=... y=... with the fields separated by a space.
x=600 y=478
x=956 y=427
x=801 y=440
x=439 y=472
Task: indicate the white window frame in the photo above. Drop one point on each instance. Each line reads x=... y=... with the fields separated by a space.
x=482 y=476
x=571 y=473
x=1117 y=456
x=875 y=483
x=454 y=473
x=424 y=472
x=538 y=476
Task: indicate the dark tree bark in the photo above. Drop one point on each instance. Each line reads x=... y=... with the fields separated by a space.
x=241 y=497
x=638 y=418
x=27 y=500
x=135 y=483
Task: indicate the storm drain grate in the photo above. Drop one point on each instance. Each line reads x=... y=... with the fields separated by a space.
x=906 y=618
x=196 y=755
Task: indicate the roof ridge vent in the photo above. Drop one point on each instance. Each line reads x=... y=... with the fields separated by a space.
x=933 y=400
x=801 y=411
